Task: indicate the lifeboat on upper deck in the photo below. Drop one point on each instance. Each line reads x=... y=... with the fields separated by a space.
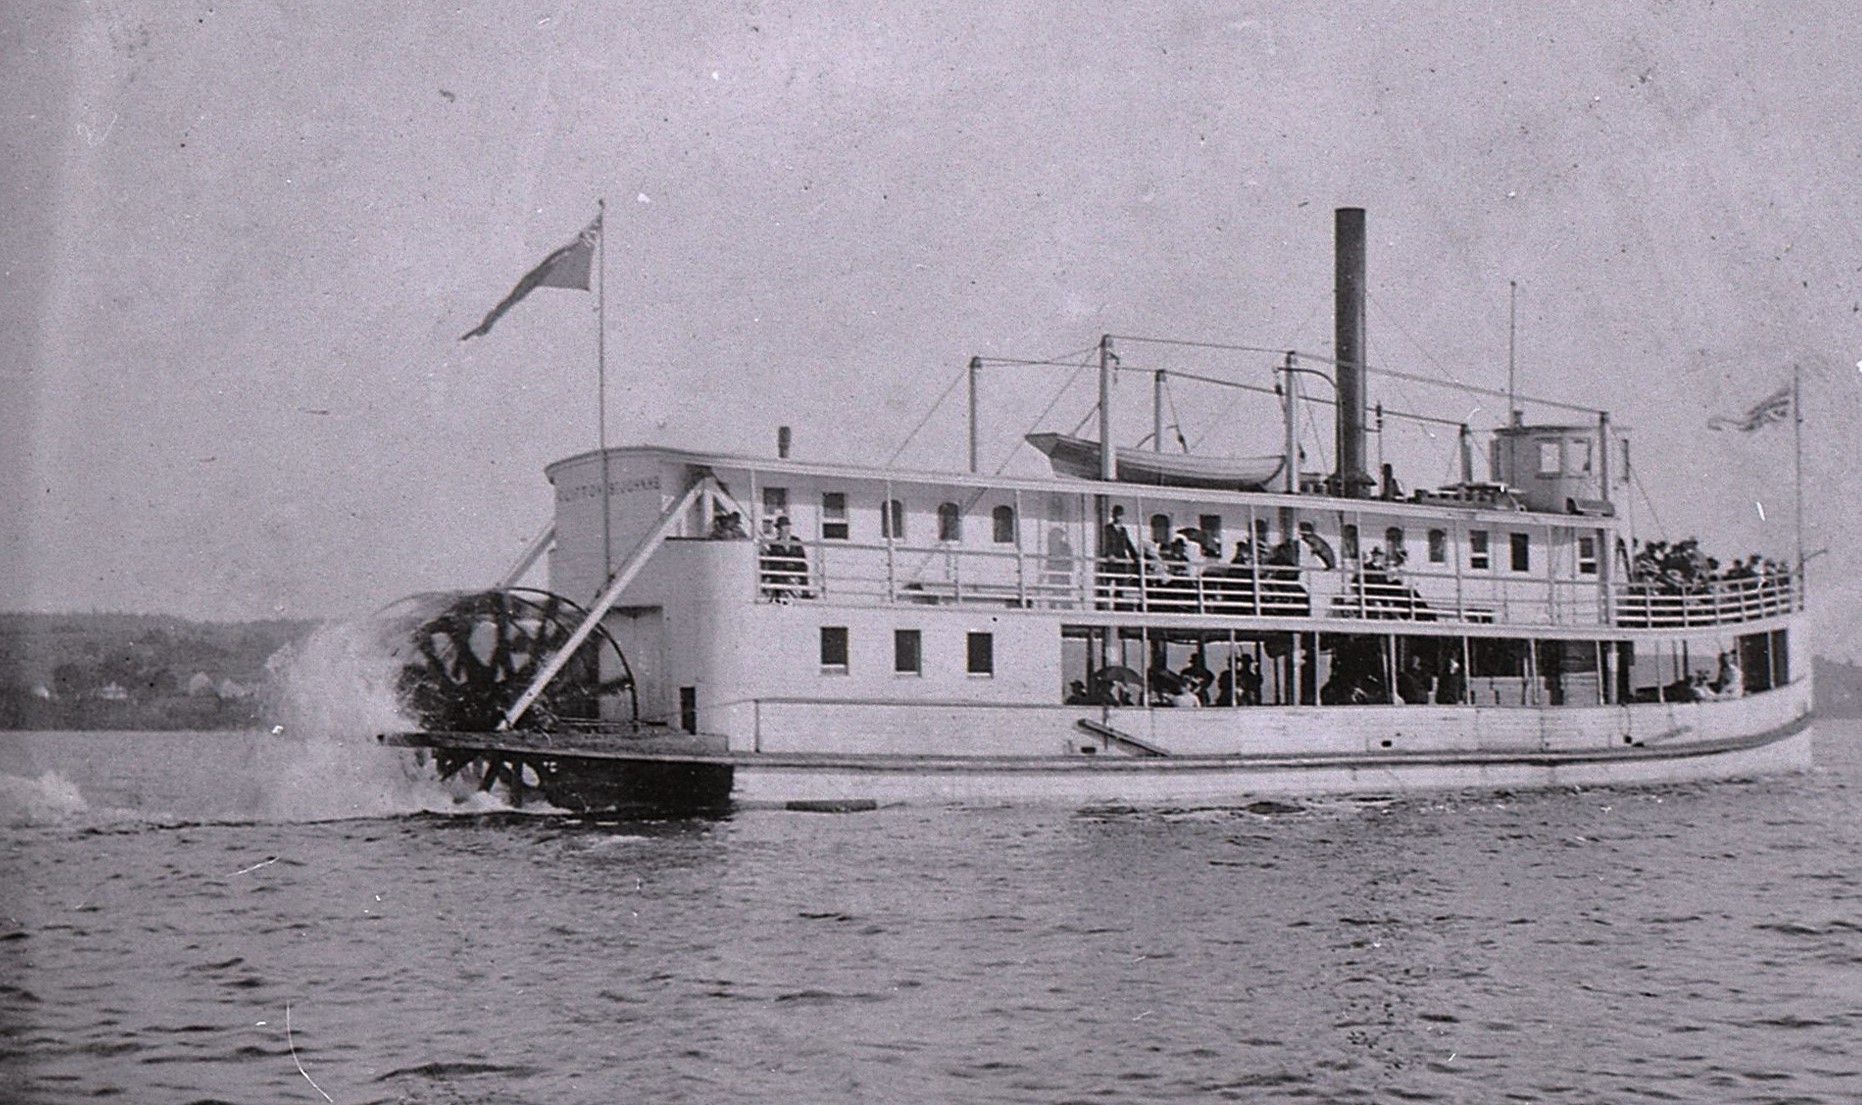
x=1078 y=457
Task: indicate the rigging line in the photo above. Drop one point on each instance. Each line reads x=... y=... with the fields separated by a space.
x=1201 y=379
x=1196 y=344
x=1474 y=389
x=1306 y=409
x=1176 y=419
x=1051 y=404
x=1221 y=416
x=1391 y=317
x=958 y=379
x=1318 y=304
x=1065 y=361
x=1636 y=477
x=1376 y=369
x=1321 y=400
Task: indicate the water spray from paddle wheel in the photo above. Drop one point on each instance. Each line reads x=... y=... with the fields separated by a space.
x=466 y=658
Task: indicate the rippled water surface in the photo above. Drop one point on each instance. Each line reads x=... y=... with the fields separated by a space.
x=245 y=918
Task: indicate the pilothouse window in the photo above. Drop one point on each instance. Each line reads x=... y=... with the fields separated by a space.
x=1522 y=551
x=1477 y=550
x=1587 y=556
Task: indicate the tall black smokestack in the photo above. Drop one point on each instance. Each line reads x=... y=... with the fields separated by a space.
x=1351 y=480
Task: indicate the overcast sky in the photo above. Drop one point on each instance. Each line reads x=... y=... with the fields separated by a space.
x=240 y=241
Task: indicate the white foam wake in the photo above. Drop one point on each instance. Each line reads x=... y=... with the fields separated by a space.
x=51 y=799
x=331 y=697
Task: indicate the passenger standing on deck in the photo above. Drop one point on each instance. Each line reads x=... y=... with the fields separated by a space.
x=1118 y=555
x=785 y=565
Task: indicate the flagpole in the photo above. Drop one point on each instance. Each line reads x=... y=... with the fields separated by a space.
x=601 y=383
x=1797 y=448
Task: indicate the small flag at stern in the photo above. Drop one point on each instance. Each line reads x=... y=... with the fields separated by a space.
x=1775 y=407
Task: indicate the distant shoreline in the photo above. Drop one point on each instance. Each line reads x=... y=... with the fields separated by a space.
x=115 y=672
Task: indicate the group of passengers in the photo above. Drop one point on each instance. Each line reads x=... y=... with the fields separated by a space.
x=1728 y=682
x=1358 y=677
x=1681 y=568
x=1194 y=686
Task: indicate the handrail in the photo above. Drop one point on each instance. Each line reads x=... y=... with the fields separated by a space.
x=845 y=571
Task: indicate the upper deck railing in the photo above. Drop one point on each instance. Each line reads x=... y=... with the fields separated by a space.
x=854 y=573
x=1717 y=602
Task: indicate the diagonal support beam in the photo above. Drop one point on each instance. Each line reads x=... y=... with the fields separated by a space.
x=636 y=560
x=530 y=556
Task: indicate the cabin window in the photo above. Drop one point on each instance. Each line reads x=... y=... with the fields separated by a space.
x=892 y=520
x=1160 y=530
x=1477 y=550
x=1393 y=546
x=1587 y=556
x=834 y=515
x=834 y=648
x=949 y=522
x=907 y=652
x=1348 y=541
x=1002 y=525
x=775 y=504
x=1438 y=546
x=982 y=654
x=1549 y=461
x=1578 y=454
x=1522 y=551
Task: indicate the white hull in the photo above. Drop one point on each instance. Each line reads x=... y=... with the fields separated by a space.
x=1148 y=758
x=1297 y=751
x=1235 y=782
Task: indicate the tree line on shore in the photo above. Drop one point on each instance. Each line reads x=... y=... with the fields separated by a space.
x=135 y=671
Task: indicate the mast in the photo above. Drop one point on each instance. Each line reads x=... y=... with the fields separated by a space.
x=1157 y=411
x=1108 y=460
x=1292 y=465
x=601 y=382
x=1797 y=464
x=1512 y=389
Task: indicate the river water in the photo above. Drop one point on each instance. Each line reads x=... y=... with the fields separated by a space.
x=253 y=917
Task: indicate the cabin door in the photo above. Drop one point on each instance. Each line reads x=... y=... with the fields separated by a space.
x=641 y=634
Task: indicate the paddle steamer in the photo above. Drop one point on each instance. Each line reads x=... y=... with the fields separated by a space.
x=1139 y=627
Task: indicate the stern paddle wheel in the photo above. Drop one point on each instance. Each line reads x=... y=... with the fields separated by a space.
x=465 y=658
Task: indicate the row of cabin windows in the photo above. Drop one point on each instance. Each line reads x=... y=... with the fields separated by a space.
x=834 y=527
x=908 y=651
